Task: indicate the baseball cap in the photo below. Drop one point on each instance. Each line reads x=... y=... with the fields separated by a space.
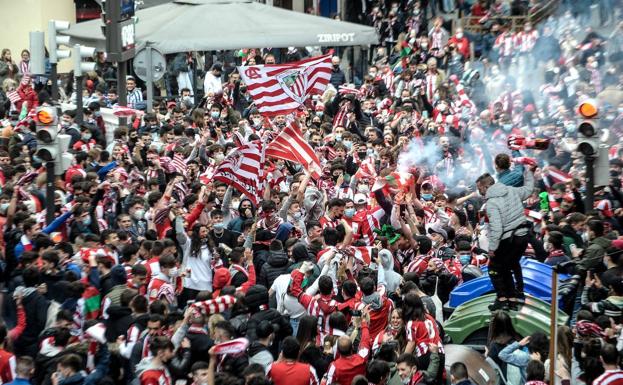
x=438 y=230
x=217 y=66
x=360 y=199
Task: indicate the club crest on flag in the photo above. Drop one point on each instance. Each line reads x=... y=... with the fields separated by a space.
x=294 y=83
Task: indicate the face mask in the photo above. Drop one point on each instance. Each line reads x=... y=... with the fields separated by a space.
x=424 y=46
x=215 y=114
x=364 y=189
x=219 y=157
x=459 y=35
x=361 y=154
x=465 y=259
x=336 y=66
x=257 y=122
x=349 y=213
x=594 y=64
x=427 y=197
x=243 y=90
x=235 y=205
x=348 y=144
x=139 y=214
x=218 y=226
x=86 y=221
x=4 y=207
x=173 y=272
x=319 y=113
x=338 y=137
x=534 y=122
x=297 y=215
x=570 y=127
x=507 y=127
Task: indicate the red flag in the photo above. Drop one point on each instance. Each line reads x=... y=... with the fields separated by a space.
x=290 y=145
x=281 y=89
x=243 y=168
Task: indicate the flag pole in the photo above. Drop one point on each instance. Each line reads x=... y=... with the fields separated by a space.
x=553 y=327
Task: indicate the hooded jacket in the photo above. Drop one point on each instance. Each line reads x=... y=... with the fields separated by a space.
x=594 y=254
x=259 y=354
x=256 y=299
x=392 y=279
x=505 y=210
x=276 y=265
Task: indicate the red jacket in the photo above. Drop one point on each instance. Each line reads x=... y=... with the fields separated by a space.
x=292 y=373
x=344 y=369
x=156 y=377
x=7 y=366
x=28 y=95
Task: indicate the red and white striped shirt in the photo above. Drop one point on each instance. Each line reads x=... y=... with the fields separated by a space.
x=423 y=333
x=610 y=377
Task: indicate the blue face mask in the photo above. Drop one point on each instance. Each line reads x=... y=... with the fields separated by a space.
x=534 y=122
x=465 y=259
x=215 y=114
x=218 y=226
x=349 y=213
x=427 y=197
x=507 y=127
x=348 y=144
x=86 y=221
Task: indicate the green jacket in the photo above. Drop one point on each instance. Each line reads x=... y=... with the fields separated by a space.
x=594 y=254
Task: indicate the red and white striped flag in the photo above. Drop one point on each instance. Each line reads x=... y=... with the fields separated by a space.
x=281 y=89
x=13 y=96
x=243 y=169
x=290 y=145
x=558 y=176
x=179 y=164
x=235 y=346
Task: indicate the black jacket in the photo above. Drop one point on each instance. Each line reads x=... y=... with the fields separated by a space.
x=119 y=321
x=200 y=344
x=276 y=265
x=36 y=309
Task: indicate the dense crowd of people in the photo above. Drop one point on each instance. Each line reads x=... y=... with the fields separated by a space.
x=456 y=151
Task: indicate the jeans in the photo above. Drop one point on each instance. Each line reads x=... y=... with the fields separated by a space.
x=505 y=269
x=294 y=322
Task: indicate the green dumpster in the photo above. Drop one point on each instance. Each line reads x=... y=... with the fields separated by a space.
x=469 y=322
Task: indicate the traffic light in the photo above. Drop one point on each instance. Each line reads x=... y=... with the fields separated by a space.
x=589 y=133
x=52 y=146
x=54 y=40
x=79 y=52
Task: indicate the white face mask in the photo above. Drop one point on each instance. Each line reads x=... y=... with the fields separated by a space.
x=235 y=205
x=139 y=214
x=219 y=157
x=459 y=35
x=173 y=272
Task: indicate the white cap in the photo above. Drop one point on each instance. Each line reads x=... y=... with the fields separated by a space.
x=360 y=199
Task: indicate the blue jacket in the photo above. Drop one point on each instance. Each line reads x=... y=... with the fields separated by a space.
x=512 y=177
x=19 y=381
x=20 y=247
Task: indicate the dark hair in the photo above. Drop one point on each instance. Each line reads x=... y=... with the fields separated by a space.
x=325 y=285
x=160 y=343
x=290 y=348
x=227 y=327
x=539 y=343
x=367 y=286
x=408 y=359
x=503 y=161
x=413 y=308
x=377 y=370
x=459 y=371
x=609 y=354
x=307 y=331
x=535 y=371
x=596 y=226
x=252 y=369
x=72 y=361
x=199 y=365
x=501 y=328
